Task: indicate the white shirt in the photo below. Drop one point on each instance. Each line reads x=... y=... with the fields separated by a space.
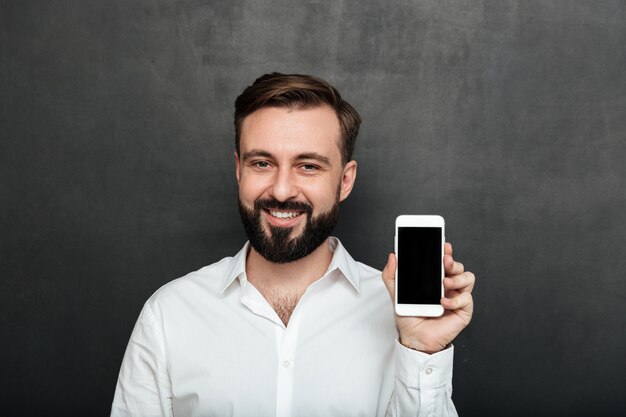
x=209 y=344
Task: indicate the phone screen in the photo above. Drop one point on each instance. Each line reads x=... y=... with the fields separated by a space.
x=419 y=265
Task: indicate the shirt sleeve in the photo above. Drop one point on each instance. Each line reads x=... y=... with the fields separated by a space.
x=143 y=386
x=423 y=383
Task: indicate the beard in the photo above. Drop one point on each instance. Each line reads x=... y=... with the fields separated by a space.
x=279 y=247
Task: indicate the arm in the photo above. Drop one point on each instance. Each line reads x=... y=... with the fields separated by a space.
x=423 y=360
x=143 y=386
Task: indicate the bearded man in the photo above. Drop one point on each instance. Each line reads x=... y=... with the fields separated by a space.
x=292 y=325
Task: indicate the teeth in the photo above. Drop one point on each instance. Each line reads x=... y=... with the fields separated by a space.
x=284 y=214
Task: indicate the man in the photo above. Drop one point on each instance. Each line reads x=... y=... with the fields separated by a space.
x=292 y=325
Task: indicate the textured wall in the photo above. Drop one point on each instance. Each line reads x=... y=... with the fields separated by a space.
x=506 y=117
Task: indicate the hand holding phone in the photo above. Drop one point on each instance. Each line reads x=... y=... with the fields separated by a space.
x=445 y=309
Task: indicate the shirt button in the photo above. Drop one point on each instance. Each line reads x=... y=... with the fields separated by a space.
x=429 y=371
x=286 y=364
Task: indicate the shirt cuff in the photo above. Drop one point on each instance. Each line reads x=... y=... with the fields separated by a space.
x=421 y=370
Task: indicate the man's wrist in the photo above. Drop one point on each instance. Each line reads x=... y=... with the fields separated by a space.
x=429 y=350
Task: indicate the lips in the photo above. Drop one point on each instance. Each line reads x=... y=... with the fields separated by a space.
x=282 y=213
x=283 y=218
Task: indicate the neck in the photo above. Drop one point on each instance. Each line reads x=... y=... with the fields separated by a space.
x=290 y=278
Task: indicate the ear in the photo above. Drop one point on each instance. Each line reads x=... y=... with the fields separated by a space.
x=237 y=167
x=347 y=180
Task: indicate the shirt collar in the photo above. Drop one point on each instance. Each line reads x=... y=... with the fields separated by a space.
x=341 y=261
x=236 y=268
x=344 y=263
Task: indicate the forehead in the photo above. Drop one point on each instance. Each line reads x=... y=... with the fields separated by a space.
x=284 y=131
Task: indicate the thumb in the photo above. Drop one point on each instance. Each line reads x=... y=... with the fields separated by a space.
x=389 y=275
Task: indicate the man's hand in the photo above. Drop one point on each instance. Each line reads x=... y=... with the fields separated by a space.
x=432 y=334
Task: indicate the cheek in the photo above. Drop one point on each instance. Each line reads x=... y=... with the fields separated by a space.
x=251 y=189
x=324 y=197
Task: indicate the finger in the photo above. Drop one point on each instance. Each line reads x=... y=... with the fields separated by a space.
x=447 y=248
x=462 y=283
x=389 y=274
x=451 y=266
x=458 y=301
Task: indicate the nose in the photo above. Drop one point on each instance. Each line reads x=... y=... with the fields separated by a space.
x=284 y=186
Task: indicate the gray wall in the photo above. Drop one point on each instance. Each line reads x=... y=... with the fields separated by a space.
x=506 y=117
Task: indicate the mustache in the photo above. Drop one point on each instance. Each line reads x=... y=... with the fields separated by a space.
x=267 y=203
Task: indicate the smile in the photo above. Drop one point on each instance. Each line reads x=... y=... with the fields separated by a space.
x=284 y=214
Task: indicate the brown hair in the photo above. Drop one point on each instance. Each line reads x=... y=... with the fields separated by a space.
x=298 y=91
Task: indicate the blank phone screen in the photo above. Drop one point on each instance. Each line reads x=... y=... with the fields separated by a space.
x=419 y=265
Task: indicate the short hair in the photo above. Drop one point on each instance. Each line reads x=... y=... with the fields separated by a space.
x=298 y=91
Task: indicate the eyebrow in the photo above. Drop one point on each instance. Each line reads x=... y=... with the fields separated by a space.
x=314 y=156
x=257 y=153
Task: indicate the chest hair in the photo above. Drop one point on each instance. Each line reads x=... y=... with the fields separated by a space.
x=282 y=303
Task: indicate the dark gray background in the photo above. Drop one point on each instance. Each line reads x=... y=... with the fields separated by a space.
x=506 y=117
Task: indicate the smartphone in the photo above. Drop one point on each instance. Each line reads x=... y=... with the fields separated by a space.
x=419 y=244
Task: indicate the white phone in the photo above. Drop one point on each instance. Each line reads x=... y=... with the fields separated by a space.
x=419 y=244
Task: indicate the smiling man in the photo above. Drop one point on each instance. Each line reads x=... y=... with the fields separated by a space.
x=292 y=325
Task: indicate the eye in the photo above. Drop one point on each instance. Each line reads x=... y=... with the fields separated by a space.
x=262 y=164
x=309 y=167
